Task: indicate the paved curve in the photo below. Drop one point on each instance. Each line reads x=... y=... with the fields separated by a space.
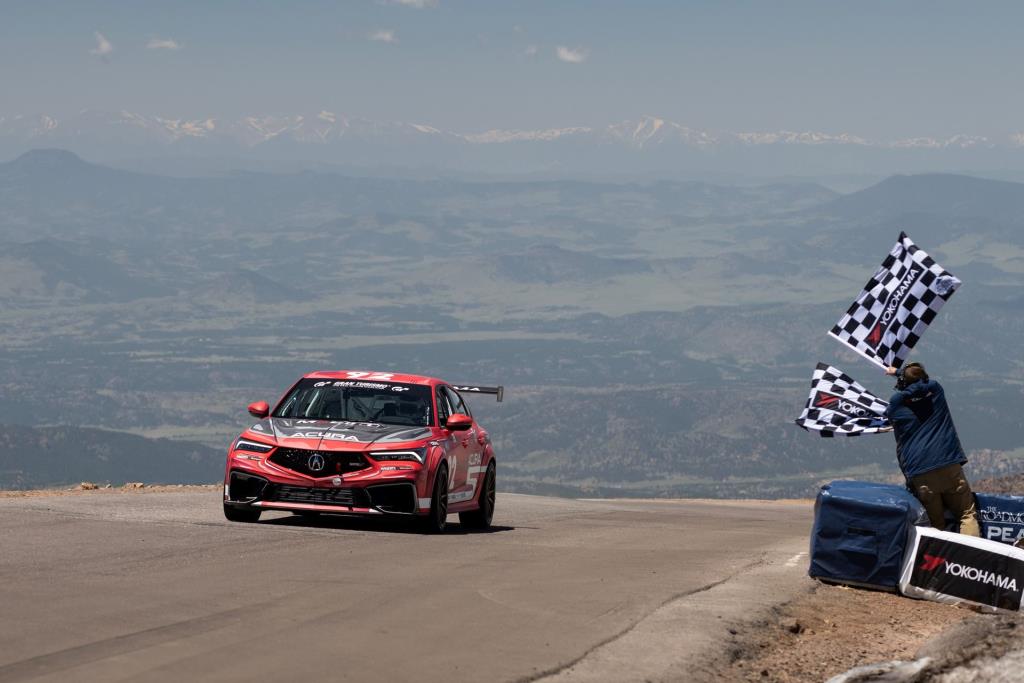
x=106 y=586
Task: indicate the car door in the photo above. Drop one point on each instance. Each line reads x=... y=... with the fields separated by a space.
x=468 y=453
x=452 y=443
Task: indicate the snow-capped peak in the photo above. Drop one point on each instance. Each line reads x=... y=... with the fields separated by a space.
x=651 y=130
x=498 y=136
x=788 y=137
x=425 y=129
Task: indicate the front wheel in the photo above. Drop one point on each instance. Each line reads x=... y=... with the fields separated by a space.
x=234 y=514
x=437 y=520
x=482 y=516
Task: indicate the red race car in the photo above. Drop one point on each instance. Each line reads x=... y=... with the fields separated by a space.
x=369 y=443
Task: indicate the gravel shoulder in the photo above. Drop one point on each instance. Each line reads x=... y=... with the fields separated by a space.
x=828 y=631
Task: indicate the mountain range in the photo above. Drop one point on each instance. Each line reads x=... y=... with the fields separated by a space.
x=648 y=145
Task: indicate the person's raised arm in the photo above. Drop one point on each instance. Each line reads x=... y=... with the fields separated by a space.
x=917 y=389
x=897 y=399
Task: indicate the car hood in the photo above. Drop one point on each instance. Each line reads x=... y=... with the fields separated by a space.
x=317 y=433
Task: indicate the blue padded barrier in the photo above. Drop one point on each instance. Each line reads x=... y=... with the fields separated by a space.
x=860 y=533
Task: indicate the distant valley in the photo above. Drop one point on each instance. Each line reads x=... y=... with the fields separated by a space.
x=655 y=338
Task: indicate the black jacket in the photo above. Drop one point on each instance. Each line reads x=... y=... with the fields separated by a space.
x=925 y=436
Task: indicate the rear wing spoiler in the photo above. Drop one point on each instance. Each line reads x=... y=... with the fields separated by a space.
x=498 y=391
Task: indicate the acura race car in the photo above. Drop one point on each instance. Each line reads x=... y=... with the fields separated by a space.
x=367 y=443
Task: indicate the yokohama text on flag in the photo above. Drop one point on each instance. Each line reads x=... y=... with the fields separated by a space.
x=896 y=306
x=839 y=405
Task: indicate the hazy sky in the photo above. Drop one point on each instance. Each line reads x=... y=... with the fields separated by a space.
x=878 y=69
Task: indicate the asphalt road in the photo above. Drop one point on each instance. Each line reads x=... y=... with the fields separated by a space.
x=158 y=586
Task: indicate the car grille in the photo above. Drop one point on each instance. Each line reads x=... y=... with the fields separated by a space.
x=334 y=496
x=334 y=462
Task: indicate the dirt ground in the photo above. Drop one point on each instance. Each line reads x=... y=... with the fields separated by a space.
x=832 y=629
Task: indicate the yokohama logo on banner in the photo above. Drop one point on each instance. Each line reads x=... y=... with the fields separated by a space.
x=896 y=306
x=839 y=405
x=950 y=567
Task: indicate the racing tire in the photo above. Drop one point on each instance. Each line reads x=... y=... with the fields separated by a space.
x=436 y=520
x=234 y=514
x=480 y=519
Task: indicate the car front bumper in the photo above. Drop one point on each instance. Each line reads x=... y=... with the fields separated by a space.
x=390 y=496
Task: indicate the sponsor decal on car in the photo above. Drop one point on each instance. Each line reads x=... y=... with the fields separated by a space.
x=354 y=385
x=346 y=431
x=334 y=436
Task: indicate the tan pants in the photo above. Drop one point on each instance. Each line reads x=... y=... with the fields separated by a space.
x=947 y=489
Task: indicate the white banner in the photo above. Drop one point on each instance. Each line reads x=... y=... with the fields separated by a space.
x=947 y=567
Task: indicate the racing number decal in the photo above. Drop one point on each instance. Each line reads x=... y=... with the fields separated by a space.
x=377 y=376
x=473 y=472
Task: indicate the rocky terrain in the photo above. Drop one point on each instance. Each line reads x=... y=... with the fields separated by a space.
x=846 y=635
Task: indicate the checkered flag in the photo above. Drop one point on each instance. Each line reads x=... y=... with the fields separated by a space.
x=839 y=405
x=896 y=306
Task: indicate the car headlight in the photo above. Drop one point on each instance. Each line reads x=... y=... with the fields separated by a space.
x=253 y=446
x=415 y=454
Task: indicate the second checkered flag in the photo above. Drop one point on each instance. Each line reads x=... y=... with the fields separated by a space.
x=839 y=405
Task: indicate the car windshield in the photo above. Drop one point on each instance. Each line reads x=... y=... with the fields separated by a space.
x=358 y=401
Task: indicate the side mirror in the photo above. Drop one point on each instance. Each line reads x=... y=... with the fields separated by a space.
x=458 y=422
x=259 y=409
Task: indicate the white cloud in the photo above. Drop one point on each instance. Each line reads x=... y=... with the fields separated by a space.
x=572 y=55
x=163 y=44
x=103 y=46
x=531 y=50
x=383 y=36
x=416 y=4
